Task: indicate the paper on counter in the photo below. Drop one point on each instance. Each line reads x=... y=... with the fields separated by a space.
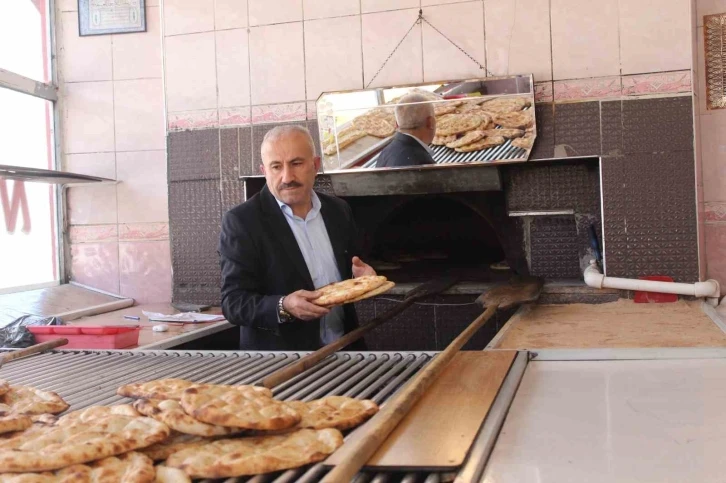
x=184 y=317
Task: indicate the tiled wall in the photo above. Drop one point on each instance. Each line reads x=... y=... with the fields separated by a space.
x=711 y=155
x=112 y=124
x=235 y=68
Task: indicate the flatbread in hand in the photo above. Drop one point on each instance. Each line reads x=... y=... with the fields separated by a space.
x=29 y=400
x=226 y=458
x=158 y=389
x=247 y=407
x=343 y=292
x=172 y=414
x=376 y=291
x=46 y=448
x=337 y=412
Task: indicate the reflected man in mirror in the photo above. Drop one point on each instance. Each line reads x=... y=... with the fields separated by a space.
x=282 y=244
x=416 y=129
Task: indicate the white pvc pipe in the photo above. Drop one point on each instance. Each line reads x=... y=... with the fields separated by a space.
x=709 y=289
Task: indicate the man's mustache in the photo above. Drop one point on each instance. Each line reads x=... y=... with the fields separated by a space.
x=284 y=186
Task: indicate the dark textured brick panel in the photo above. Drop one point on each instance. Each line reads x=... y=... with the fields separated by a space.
x=555 y=246
x=456 y=313
x=195 y=221
x=232 y=193
x=229 y=153
x=247 y=166
x=193 y=155
x=658 y=125
x=544 y=144
x=413 y=329
x=611 y=122
x=577 y=128
x=615 y=207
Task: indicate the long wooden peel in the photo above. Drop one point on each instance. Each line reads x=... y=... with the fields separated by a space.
x=432 y=287
x=33 y=349
x=359 y=451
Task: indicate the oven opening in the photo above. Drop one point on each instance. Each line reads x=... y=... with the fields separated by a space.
x=430 y=236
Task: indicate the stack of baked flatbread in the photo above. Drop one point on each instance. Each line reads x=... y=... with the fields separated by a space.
x=176 y=430
x=476 y=124
x=352 y=290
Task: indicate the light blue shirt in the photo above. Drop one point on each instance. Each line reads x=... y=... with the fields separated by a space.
x=314 y=242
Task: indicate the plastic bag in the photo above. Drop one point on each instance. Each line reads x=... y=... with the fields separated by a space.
x=16 y=335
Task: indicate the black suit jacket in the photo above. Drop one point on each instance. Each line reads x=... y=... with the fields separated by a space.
x=403 y=150
x=261 y=262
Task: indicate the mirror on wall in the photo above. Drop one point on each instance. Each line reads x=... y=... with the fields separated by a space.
x=488 y=120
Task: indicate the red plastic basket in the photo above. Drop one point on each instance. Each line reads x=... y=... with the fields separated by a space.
x=655 y=297
x=89 y=337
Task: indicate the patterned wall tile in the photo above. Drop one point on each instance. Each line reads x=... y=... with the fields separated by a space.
x=229 y=153
x=611 y=122
x=544 y=144
x=413 y=329
x=193 y=155
x=658 y=125
x=555 y=247
x=577 y=128
x=454 y=314
x=195 y=220
x=247 y=166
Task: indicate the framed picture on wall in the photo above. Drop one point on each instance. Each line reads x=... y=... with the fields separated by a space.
x=100 y=17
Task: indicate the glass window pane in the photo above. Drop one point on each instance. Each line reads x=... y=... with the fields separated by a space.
x=24 y=38
x=28 y=245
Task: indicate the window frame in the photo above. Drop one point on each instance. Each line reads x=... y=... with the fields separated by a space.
x=49 y=92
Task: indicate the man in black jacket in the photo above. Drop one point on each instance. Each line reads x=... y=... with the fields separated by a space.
x=416 y=129
x=283 y=243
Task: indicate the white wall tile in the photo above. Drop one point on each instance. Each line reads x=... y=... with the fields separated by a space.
x=142 y=191
x=368 y=6
x=463 y=23
x=518 y=38
x=188 y=16
x=381 y=33
x=139 y=113
x=325 y=8
x=585 y=38
x=333 y=55
x=82 y=59
x=655 y=43
x=88 y=117
x=138 y=55
x=191 y=81
x=268 y=12
x=91 y=204
x=277 y=64
x=233 y=68
x=230 y=14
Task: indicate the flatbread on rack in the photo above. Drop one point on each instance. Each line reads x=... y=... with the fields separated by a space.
x=525 y=142
x=486 y=143
x=175 y=442
x=388 y=285
x=164 y=474
x=29 y=400
x=514 y=120
x=505 y=132
x=4 y=386
x=247 y=407
x=443 y=140
x=14 y=422
x=93 y=412
x=127 y=468
x=226 y=458
x=468 y=138
x=375 y=126
x=337 y=412
x=445 y=108
x=171 y=413
x=505 y=104
x=457 y=124
x=158 y=389
x=344 y=140
x=343 y=292
x=47 y=448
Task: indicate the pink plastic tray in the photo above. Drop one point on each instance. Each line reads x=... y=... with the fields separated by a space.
x=90 y=337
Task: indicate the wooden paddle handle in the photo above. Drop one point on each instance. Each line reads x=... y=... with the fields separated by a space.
x=33 y=349
x=360 y=450
x=308 y=361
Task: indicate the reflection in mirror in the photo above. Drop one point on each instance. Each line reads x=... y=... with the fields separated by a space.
x=451 y=123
